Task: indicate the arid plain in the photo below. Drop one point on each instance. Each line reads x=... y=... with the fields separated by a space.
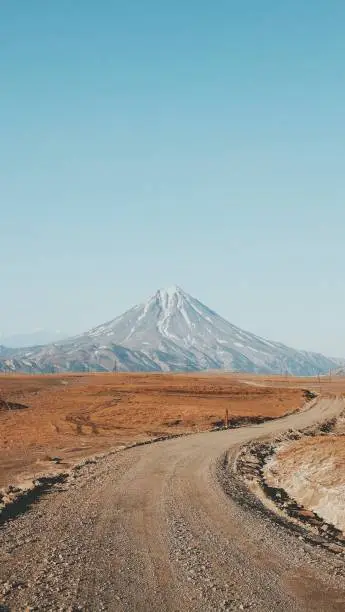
x=182 y=522
x=73 y=416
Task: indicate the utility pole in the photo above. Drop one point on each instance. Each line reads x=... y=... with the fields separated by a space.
x=115 y=366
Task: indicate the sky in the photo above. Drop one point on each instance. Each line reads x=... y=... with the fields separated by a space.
x=145 y=144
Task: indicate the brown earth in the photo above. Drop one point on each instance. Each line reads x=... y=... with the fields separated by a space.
x=168 y=526
x=74 y=416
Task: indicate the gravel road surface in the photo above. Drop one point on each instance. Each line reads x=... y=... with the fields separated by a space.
x=153 y=528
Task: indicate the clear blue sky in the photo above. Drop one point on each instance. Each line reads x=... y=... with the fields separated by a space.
x=146 y=143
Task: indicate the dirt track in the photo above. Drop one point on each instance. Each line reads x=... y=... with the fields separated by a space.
x=152 y=528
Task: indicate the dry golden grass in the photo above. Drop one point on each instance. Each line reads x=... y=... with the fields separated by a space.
x=73 y=416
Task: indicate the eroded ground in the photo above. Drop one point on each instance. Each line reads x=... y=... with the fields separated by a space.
x=312 y=471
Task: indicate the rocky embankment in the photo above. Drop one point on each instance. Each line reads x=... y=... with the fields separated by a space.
x=301 y=477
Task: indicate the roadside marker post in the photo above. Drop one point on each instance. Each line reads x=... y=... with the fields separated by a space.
x=319 y=380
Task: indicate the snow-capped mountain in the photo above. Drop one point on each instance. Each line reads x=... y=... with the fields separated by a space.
x=171 y=331
x=177 y=331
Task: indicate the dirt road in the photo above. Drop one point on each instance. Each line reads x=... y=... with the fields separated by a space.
x=152 y=528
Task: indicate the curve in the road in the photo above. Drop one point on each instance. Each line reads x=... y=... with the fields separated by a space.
x=152 y=528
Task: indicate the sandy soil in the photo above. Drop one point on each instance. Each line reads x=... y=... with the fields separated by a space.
x=74 y=416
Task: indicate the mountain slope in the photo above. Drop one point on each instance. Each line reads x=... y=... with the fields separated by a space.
x=171 y=331
x=75 y=357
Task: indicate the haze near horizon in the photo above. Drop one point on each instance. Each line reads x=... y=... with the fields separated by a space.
x=145 y=145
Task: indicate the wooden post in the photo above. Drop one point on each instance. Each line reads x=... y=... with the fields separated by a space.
x=226 y=418
x=319 y=380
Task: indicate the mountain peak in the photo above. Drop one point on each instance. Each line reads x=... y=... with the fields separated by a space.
x=170 y=297
x=170 y=291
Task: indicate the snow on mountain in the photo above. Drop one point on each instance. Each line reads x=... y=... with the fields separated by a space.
x=171 y=331
x=177 y=331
